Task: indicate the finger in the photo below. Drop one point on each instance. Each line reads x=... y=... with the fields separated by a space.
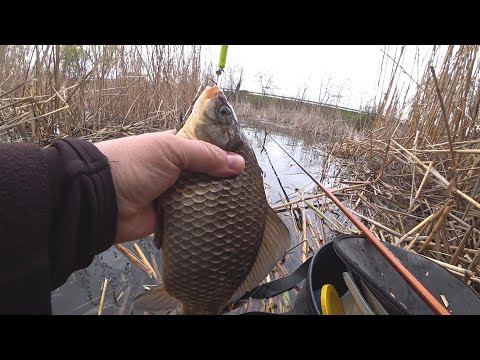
x=200 y=156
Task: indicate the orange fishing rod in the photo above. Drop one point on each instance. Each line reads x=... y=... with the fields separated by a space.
x=421 y=290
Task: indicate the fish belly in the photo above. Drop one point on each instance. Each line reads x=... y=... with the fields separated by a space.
x=213 y=228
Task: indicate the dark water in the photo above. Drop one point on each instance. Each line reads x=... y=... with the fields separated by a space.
x=81 y=293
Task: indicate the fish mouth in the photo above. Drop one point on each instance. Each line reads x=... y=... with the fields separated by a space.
x=212 y=91
x=237 y=140
x=235 y=146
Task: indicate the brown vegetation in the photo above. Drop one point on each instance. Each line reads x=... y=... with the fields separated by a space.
x=423 y=189
x=413 y=178
x=94 y=92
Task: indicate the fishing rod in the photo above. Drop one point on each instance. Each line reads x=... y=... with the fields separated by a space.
x=421 y=290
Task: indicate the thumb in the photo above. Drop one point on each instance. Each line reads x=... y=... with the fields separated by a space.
x=200 y=156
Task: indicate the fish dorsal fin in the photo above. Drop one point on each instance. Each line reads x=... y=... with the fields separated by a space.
x=275 y=243
x=156 y=299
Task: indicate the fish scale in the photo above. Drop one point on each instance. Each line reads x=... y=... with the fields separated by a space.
x=212 y=233
x=219 y=236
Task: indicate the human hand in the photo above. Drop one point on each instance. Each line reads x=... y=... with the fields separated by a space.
x=144 y=166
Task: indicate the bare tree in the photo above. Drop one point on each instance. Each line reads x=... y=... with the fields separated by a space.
x=301 y=94
x=239 y=82
x=338 y=96
x=266 y=82
x=235 y=80
x=324 y=93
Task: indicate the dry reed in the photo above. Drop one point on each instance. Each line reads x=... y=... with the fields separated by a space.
x=94 y=92
x=415 y=175
x=424 y=168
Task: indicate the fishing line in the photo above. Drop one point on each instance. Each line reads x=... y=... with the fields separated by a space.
x=295 y=211
x=421 y=290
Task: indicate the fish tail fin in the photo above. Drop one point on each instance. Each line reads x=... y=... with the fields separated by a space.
x=155 y=300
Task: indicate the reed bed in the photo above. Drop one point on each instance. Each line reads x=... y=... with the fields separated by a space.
x=421 y=173
x=95 y=92
x=413 y=180
x=398 y=177
x=412 y=176
x=323 y=123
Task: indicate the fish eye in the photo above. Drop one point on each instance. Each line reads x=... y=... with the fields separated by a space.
x=225 y=111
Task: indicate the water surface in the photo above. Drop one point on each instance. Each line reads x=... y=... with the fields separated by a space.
x=81 y=293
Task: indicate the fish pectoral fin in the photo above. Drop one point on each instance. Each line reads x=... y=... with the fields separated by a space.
x=158 y=234
x=156 y=299
x=275 y=243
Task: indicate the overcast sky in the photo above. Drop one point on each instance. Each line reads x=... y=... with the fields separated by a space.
x=350 y=71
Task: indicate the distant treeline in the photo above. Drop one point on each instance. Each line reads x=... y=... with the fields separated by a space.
x=259 y=102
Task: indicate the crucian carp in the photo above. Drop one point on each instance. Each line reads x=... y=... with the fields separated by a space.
x=219 y=236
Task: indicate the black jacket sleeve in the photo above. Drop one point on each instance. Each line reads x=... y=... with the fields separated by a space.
x=58 y=209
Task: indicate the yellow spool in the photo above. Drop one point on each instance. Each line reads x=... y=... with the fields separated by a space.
x=330 y=301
